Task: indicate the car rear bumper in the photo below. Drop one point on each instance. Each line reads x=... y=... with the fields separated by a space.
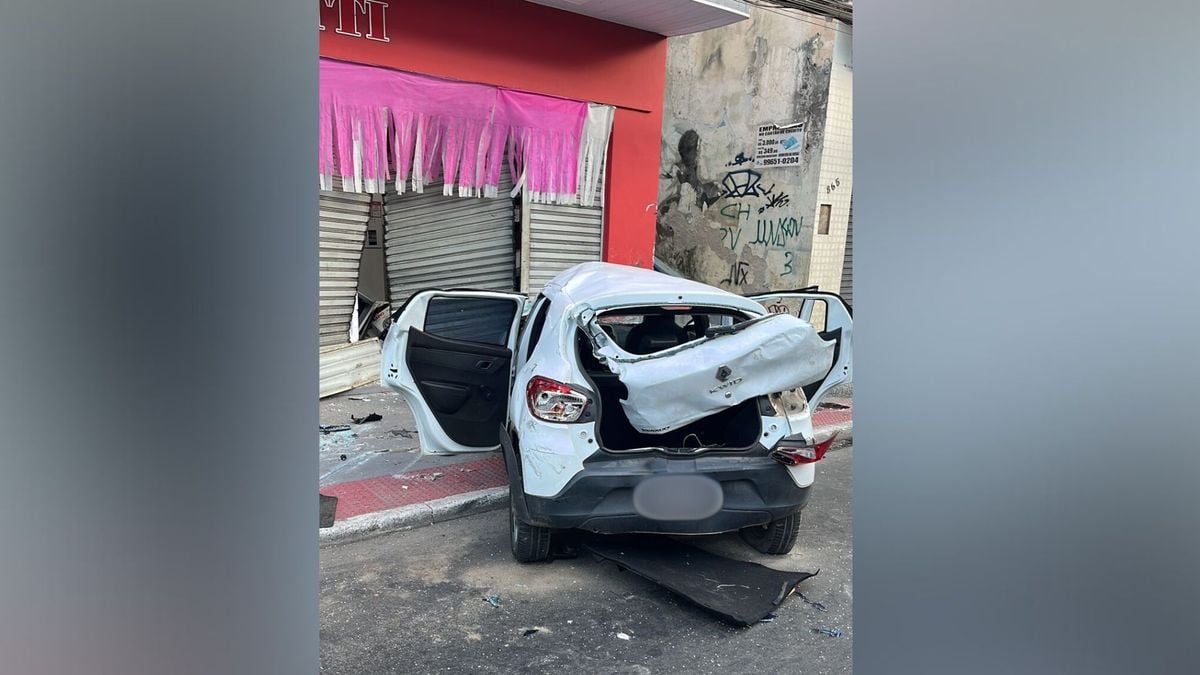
x=755 y=490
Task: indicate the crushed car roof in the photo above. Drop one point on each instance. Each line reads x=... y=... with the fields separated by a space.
x=602 y=284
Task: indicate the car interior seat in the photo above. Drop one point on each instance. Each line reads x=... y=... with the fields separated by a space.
x=655 y=333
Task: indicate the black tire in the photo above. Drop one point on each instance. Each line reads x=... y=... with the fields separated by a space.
x=530 y=543
x=776 y=537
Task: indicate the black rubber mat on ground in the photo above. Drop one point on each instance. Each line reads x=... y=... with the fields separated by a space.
x=738 y=591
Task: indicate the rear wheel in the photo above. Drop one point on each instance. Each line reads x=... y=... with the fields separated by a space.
x=530 y=543
x=776 y=537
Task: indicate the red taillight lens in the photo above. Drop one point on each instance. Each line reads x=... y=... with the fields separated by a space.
x=553 y=401
x=794 y=452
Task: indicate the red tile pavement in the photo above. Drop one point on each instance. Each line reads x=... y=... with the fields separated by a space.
x=388 y=492
x=825 y=418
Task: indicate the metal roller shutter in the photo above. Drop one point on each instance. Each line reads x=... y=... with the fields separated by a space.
x=847 y=291
x=561 y=237
x=343 y=221
x=344 y=367
x=435 y=241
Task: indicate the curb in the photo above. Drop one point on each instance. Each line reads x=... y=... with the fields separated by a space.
x=416 y=515
x=467 y=504
x=844 y=430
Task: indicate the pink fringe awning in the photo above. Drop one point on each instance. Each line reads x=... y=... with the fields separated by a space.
x=379 y=126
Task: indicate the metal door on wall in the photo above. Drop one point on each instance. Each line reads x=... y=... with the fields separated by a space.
x=847 y=291
x=343 y=222
x=437 y=241
x=558 y=237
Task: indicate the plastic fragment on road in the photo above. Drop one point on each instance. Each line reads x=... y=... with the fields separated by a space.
x=493 y=600
x=370 y=417
x=672 y=388
x=812 y=603
x=334 y=428
x=624 y=636
x=829 y=632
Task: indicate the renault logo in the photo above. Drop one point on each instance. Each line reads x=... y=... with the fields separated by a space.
x=723 y=373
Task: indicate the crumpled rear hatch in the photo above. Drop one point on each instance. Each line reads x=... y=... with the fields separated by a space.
x=674 y=387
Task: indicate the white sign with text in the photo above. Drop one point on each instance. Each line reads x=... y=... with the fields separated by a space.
x=779 y=145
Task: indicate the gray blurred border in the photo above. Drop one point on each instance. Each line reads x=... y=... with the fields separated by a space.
x=1026 y=328
x=1026 y=461
x=159 y=339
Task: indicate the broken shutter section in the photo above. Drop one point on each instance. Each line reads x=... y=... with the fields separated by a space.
x=343 y=223
x=438 y=241
x=342 y=218
x=561 y=237
x=346 y=366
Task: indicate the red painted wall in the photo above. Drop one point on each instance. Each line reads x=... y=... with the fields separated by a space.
x=522 y=45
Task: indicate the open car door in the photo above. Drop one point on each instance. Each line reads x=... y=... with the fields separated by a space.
x=449 y=354
x=830 y=315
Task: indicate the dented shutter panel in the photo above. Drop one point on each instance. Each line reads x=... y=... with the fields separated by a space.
x=342 y=225
x=561 y=237
x=436 y=241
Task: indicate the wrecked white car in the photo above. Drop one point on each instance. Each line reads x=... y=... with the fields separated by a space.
x=626 y=400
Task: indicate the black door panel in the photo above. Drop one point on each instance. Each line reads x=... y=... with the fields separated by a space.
x=464 y=383
x=445 y=398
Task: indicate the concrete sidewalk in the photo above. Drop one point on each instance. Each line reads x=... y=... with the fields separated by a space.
x=383 y=482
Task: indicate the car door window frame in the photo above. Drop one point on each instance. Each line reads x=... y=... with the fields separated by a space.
x=532 y=331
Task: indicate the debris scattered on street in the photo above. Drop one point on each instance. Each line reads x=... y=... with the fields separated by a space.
x=623 y=636
x=493 y=600
x=402 y=433
x=528 y=632
x=371 y=417
x=816 y=605
x=829 y=632
x=333 y=428
x=357 y=398
x=342 y=457
x=432 y=476
x=768 y=618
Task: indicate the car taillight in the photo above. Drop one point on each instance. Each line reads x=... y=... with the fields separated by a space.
x=553 y=401
x=795 y=451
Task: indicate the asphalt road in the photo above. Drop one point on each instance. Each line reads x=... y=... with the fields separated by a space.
x=414 y=602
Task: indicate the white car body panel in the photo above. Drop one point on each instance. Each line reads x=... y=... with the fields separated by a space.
x=394 y=374
x=676 y=386
x=837 y=317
